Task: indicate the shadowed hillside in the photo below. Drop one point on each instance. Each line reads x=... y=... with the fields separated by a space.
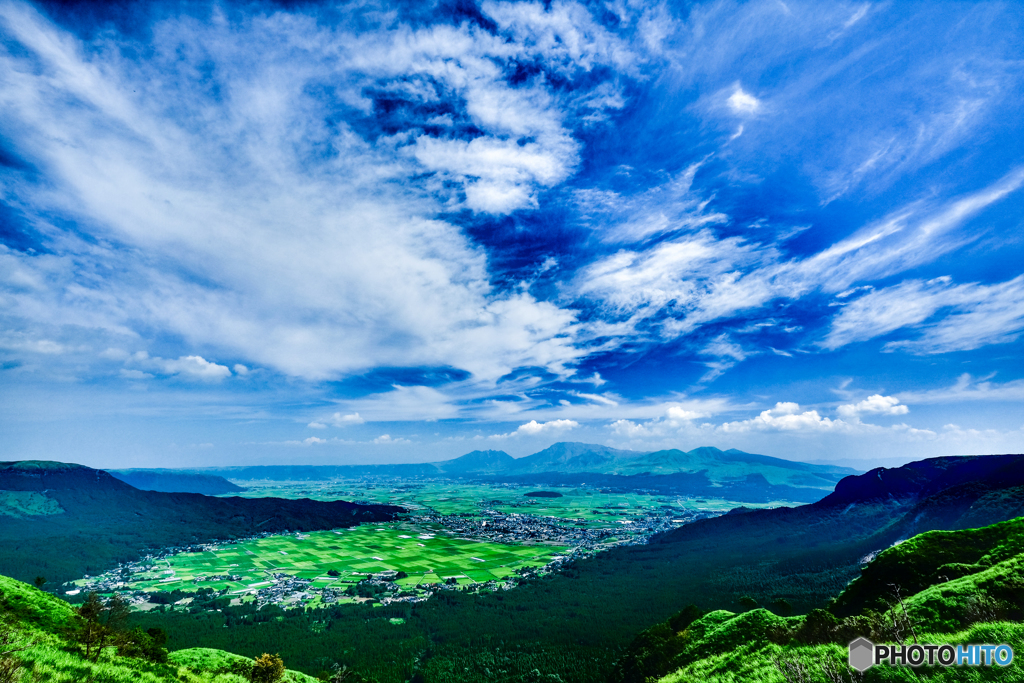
x=171 y=481
x=76 y=520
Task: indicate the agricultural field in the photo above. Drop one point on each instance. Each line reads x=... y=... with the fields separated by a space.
x=353 y=554
x=455 y=535
x=597 y=509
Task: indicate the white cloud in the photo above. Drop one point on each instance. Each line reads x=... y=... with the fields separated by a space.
x=695 y=278
x=677 y=285
x=676 y=420
x=340 y=420
x=190 y=367
x=597 y=398
x=728 y=353
x=679 y=413
x=534 y=428
x=968 y=388
x=387 y=439
x=742 y=102
x=316 y=425
x=872 y=405
x=666 y=208
x=41 y=346
x=194 y=366
x=630 y=429
x=320 y=252
x=977 y=315
x=786 y=417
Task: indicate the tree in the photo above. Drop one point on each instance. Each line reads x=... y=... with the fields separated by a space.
x=748 y=603
x=100 y=624
x=782 y=607
x=143 y=644
x=267 y=669
x=40 y=580
x=682 y=619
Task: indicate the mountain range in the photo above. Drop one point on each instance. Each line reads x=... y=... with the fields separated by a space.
x=704 y=471
x=175 y=481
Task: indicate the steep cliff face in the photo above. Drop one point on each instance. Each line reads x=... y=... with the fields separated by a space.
x=42 y=475
x=925 y=478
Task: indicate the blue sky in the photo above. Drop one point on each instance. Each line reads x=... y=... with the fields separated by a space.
x=258 y=233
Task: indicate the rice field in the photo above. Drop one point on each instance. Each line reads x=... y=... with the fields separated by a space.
x=426 y=555
x=597 y=509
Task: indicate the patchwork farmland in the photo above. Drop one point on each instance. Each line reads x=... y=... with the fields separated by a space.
x=332 y=560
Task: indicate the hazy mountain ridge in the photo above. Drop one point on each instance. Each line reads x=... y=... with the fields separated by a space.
x=704 y=471
x=173 y=481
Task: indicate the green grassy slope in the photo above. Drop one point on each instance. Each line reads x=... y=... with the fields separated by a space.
x=41 y=620
x=928 y=559
x=984 y=603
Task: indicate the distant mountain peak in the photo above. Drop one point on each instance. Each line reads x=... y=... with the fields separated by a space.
x=477 y=461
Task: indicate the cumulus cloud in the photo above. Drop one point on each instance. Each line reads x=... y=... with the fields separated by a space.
x=340 y=420
x=872 y=405
x=676 y=419
x=189 y=367
x=785 y=417
x=534 y=428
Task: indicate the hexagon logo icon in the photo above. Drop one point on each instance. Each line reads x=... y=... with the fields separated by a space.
x=862 y=654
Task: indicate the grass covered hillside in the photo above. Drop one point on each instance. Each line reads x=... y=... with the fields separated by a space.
x=955 y=587
x=45 y=636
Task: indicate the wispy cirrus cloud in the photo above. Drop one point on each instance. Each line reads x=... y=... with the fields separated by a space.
x=975 y=315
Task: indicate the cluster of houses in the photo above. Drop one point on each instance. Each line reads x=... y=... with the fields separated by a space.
x=514 y=527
